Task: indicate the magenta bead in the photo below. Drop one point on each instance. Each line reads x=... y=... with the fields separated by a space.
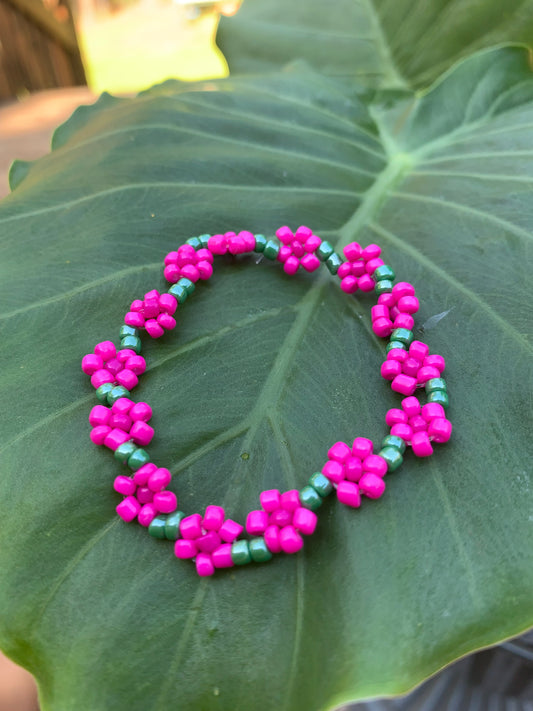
x=362 y=447
x=373 y=264
x=404 y=384
x=411 y=366
x=168 y=304
x=191 y=526
x=213 y=518
x=113 y=366
x=166 y=321
x=134 y=318
x=141 y=433
x=127 y=379
x=236 y=245
x=147 y=514
x=401 y=289
x=141 y=411
x=375 y=465
x=280 y=518
x=99 y=415
x=230 y=530
x=357 y=269
x=310 y=262
x=371 y=252
x=290 y=540
x=284 y=234
x=100 y=377
x=185 y=549
x=120 y=421
x=249 y=240
x=91 y=363
x=435 y=361
x=366 y=283
x=371 y=485
x=353 y=469
x=348 y=494
x=417 y=423
x=284 y=253
x=382 y=327
x=136 y=364
x=291 y=265
x=290 y=500
x=421 y=444
x=397 y=354
x=304 y=233
x=171 y=274
x=221 y=557
x=144 y=495
x=395 y=416
x=205 y=270
x=98 y=434
x=339 y=452
x=165 y=501
x=271 y=537
x=427 y=372
x=270 y=500
x=209 y=542
x=431 y=410
x=128 y=508
x=390 y=369
x=304 y=521
x=153 y=329
x=115 y=438
x=256 y=522
x=122 y=406
x=142 y=475
x=217 y=244
x=352 y=251
x=408 y=304
x=171 y=258
x=124 y=485
x=349 y=284
x=418 y=350
x=404 y=321
x=204 y=565
x=402 y=430
x=189 y=271
x=411 y=406
x=439 y=429
x=312 y=243
x=106 y=350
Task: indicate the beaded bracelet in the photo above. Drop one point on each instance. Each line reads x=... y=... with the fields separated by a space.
x=212 y=540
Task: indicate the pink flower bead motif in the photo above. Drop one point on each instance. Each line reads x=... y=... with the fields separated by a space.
x=120 y=423
x=298 y=249
x=281 y=520
x=189 y=263
x=153 y=313
x=395 y=310
x=231 y=243
x=419 y=425
x=107 y=365
x=408 y=370
x=356 y=272
x=355 y=470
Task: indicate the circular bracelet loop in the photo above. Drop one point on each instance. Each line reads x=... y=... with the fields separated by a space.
x=351 y=471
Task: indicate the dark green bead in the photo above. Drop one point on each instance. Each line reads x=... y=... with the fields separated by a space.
x=172 y=525
x=157 y=527
x=240 y=553
x=439 y=396
x=179 y=292
x=133 y=342
x=258 y=551
x=392 y=456
x=383 y=287
x=260 y=243
x=138 y=459
x=204 y=239
x=435 y=384
x=187 y=284
x=194 y=242
x=383 y=272
x=333 y=263
x=103 y=391
x=321 y=483
x=310 y=498
x=324 y=251
x=126 y=330
x=116 y=393
x=393 y=441
x=403 y=335
x=271 y=249
x=124 y=452
x=396 y=344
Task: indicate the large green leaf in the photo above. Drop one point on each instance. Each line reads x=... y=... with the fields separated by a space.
x=383 y=43
x=263 y=373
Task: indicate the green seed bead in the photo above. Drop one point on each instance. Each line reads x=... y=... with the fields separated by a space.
x=383 y=287
x=321 y=483
x=324 y=251
x=258 y=551
x=260 y=243
x=179 y=292
x=157 y=527
x=435 y=384
x=383 y=272
x=194 y=242
x=187 y=284
x=204 y=239
x=138 y=459
x=392 y=456
x=172 y=525
x=333 y=263
x=116 y=393
x=126 y=330
x=439 y=396
x=310 y=498
x=103 y=391
x=133 y=342
x=393 y=441
x=240 y=553
x=271 y=249
x=124 y=452
x=403 y=335
x=396 y=344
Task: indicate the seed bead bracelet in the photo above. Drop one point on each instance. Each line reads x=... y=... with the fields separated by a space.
x=353 y=471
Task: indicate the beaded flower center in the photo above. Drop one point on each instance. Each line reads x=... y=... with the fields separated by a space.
x=353 y=471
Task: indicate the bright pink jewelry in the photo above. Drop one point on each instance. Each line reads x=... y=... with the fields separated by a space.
x=353 y=471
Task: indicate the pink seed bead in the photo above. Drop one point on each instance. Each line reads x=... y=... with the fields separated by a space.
x=271 y=537
x=249 y=240
x=310 y=262
x=113 y=366
x=236 y=245
x=120 y=421
x=124 y=485
x=153 y=329
x=411 y=406
x=230 y=530
x=284 y=253
x=353 y=469
x=382 y=327
x=304 y=521
x=379 y=311
x=290 y=540
x=134 y=318
x=205 y=270
x=362 y=447
x=91 y=363
x=402 y=430
x=371 y=252
x=100 y=377
x=189 y=271
x=204 y=255
x=404 y=384
x=421 y=444
x=344 y=270
x=127 y=379
x=417 y=423
x=124 y=353
x=297 y=249
x=209 y=542
x=401 y=289
x=404 y=321
x=99 y=415
x=291 y=265
x=122 y=406
x=397 y=354
x=191 y=526
x=141 y=411
x=408 y=304
x=352 y=251
x=373 y=264
x=312 y=243
x=435 y=361
x=106 y=350
x=387 y=300
x=222 y=556
x=357 y=269
x=411 y=366
x=186 y=255
x=304 y=233
x=348 y=494
x=136 y=364
x=349 y=284
x=99 y=434
x=431 y=410
x=256 y=522
x=213 y=518
x=395 y=416
x=426 y=373
x=371 y=485
x=366 y=283
x=168 y=304
x=159 y=480
x=128 y=508
x=440 y=429
x=285 y=235
x=151 y=308
x=375 y=465
x=418 y=350
x=280 y=518
x=390 y=369
x=142 y=475
x=115 y=438
x=167 y=322
x=147 y=514
x=144 y=495
x=185 y=549
x=204 y=565
x=217 y=244
x=290 y=500
x=270 y=500
x=171 y=273
x=339 y=452
x=171 y=258
x=141 y=433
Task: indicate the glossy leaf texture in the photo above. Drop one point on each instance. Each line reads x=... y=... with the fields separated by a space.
x=263 y=373
x=392 y=44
